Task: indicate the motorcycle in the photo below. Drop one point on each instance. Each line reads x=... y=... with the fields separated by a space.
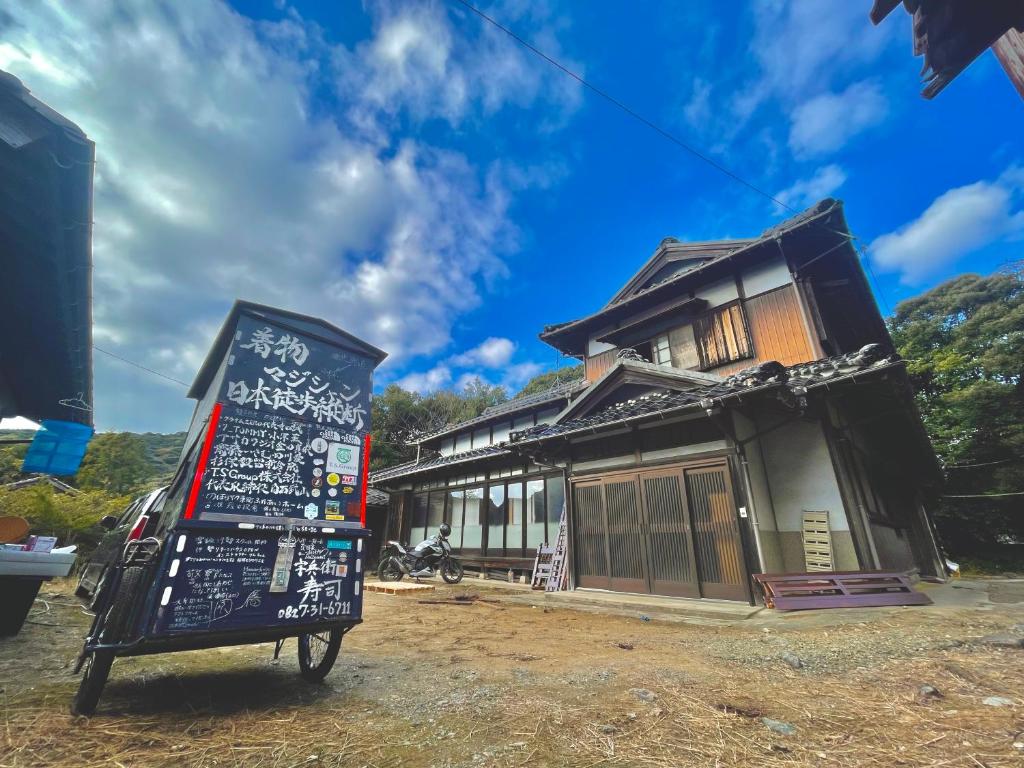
x=430 y=556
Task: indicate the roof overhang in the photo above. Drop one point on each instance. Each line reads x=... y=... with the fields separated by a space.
x=664 y=318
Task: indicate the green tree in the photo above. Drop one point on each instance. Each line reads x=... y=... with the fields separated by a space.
x=545 y=381
x=72 y=517
x=115 y=462
x=964 y=346
x=400 y=416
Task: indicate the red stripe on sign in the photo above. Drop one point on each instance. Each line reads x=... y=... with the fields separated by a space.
x=366 y=479
x=204 y=456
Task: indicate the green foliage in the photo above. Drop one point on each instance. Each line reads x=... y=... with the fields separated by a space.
x=964 y=346
x=163 y=453
x=115 y=462
x=399 y=416
x=545 y=381
x=72 y=517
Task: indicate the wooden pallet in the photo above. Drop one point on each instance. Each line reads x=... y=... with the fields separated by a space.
x=817 y=542
x=397 y=587
x=838 y=589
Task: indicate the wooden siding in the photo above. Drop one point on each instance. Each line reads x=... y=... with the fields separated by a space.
x=776 y=329
x=600 y=363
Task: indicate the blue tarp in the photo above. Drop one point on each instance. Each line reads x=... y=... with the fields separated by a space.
x=57 y=448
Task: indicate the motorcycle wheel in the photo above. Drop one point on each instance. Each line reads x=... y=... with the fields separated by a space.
x=452 y=572
x=389 y=570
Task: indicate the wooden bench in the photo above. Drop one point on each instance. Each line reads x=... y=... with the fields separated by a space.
x=837 y=589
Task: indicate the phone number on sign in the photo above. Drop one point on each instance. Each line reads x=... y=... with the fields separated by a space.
x=331 y=609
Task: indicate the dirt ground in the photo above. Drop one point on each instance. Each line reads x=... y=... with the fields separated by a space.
x=496 y=682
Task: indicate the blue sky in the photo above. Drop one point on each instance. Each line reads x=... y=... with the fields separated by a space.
x=413 y=175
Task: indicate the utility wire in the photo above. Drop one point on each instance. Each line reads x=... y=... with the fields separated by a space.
x=658 y=129
x=981 y=495
x=980 y=464
x=141 y=367
x=625 y=108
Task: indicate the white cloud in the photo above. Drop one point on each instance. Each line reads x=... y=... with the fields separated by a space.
x=697 y=109
x=958 y=222
x=438 y=377
x=416 y=61
x=801 y=47
x=823 y=183
x=219 y=174
x=493 y=352
x=827 y=122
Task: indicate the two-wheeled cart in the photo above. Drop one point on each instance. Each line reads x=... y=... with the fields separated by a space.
x=261 y=534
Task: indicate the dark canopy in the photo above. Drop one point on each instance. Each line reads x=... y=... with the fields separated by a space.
x=46 y=166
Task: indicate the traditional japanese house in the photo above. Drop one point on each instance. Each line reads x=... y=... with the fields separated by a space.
x=742 y=412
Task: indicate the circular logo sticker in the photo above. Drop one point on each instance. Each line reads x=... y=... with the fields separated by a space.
x=315 y=493
x=332 y=491
x=319 y=445
x=333 y=478
x=311 y=511
x=317 y=472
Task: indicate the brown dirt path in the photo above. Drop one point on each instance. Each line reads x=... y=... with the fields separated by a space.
x=505 y=684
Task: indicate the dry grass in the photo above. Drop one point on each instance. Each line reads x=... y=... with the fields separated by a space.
x=503 y=685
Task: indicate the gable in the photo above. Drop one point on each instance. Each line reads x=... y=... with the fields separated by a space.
x=673 y=258
x=629 y=379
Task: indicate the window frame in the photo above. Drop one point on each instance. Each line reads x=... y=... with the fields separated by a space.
x=709 y=333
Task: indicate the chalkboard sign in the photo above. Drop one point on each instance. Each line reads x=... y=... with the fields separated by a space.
x=271 y=466
x=277 y=370
x=218 y=582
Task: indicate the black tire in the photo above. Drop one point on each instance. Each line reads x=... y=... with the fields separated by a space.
x=115 y=625
x=452 y=571
x=97 y=670
x=389 y=570
x=317 y=653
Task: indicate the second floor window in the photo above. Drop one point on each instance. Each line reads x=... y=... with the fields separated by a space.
x=722 y=337
x=661 y=352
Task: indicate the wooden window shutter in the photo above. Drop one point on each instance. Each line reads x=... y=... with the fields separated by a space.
x=722 y=337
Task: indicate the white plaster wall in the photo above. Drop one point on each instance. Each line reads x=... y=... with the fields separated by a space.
x=765 y=276
x=595 y=347
x=719 y=293
x=759 y=488
x=801 y=476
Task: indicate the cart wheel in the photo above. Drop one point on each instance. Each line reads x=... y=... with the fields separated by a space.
x=97 y=669
x=317 y=653
x=452 y=572
x=97 y=666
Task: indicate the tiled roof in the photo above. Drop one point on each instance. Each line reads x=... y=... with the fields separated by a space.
x=376 y=497
x=769 y=375
x=759 y=378
x=558 y=392
x=414 y=468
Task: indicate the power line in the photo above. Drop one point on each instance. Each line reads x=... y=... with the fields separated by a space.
x=981 y=495
x=141 y=367
x=661 y=131
x=627 y=109
x=980 y=464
